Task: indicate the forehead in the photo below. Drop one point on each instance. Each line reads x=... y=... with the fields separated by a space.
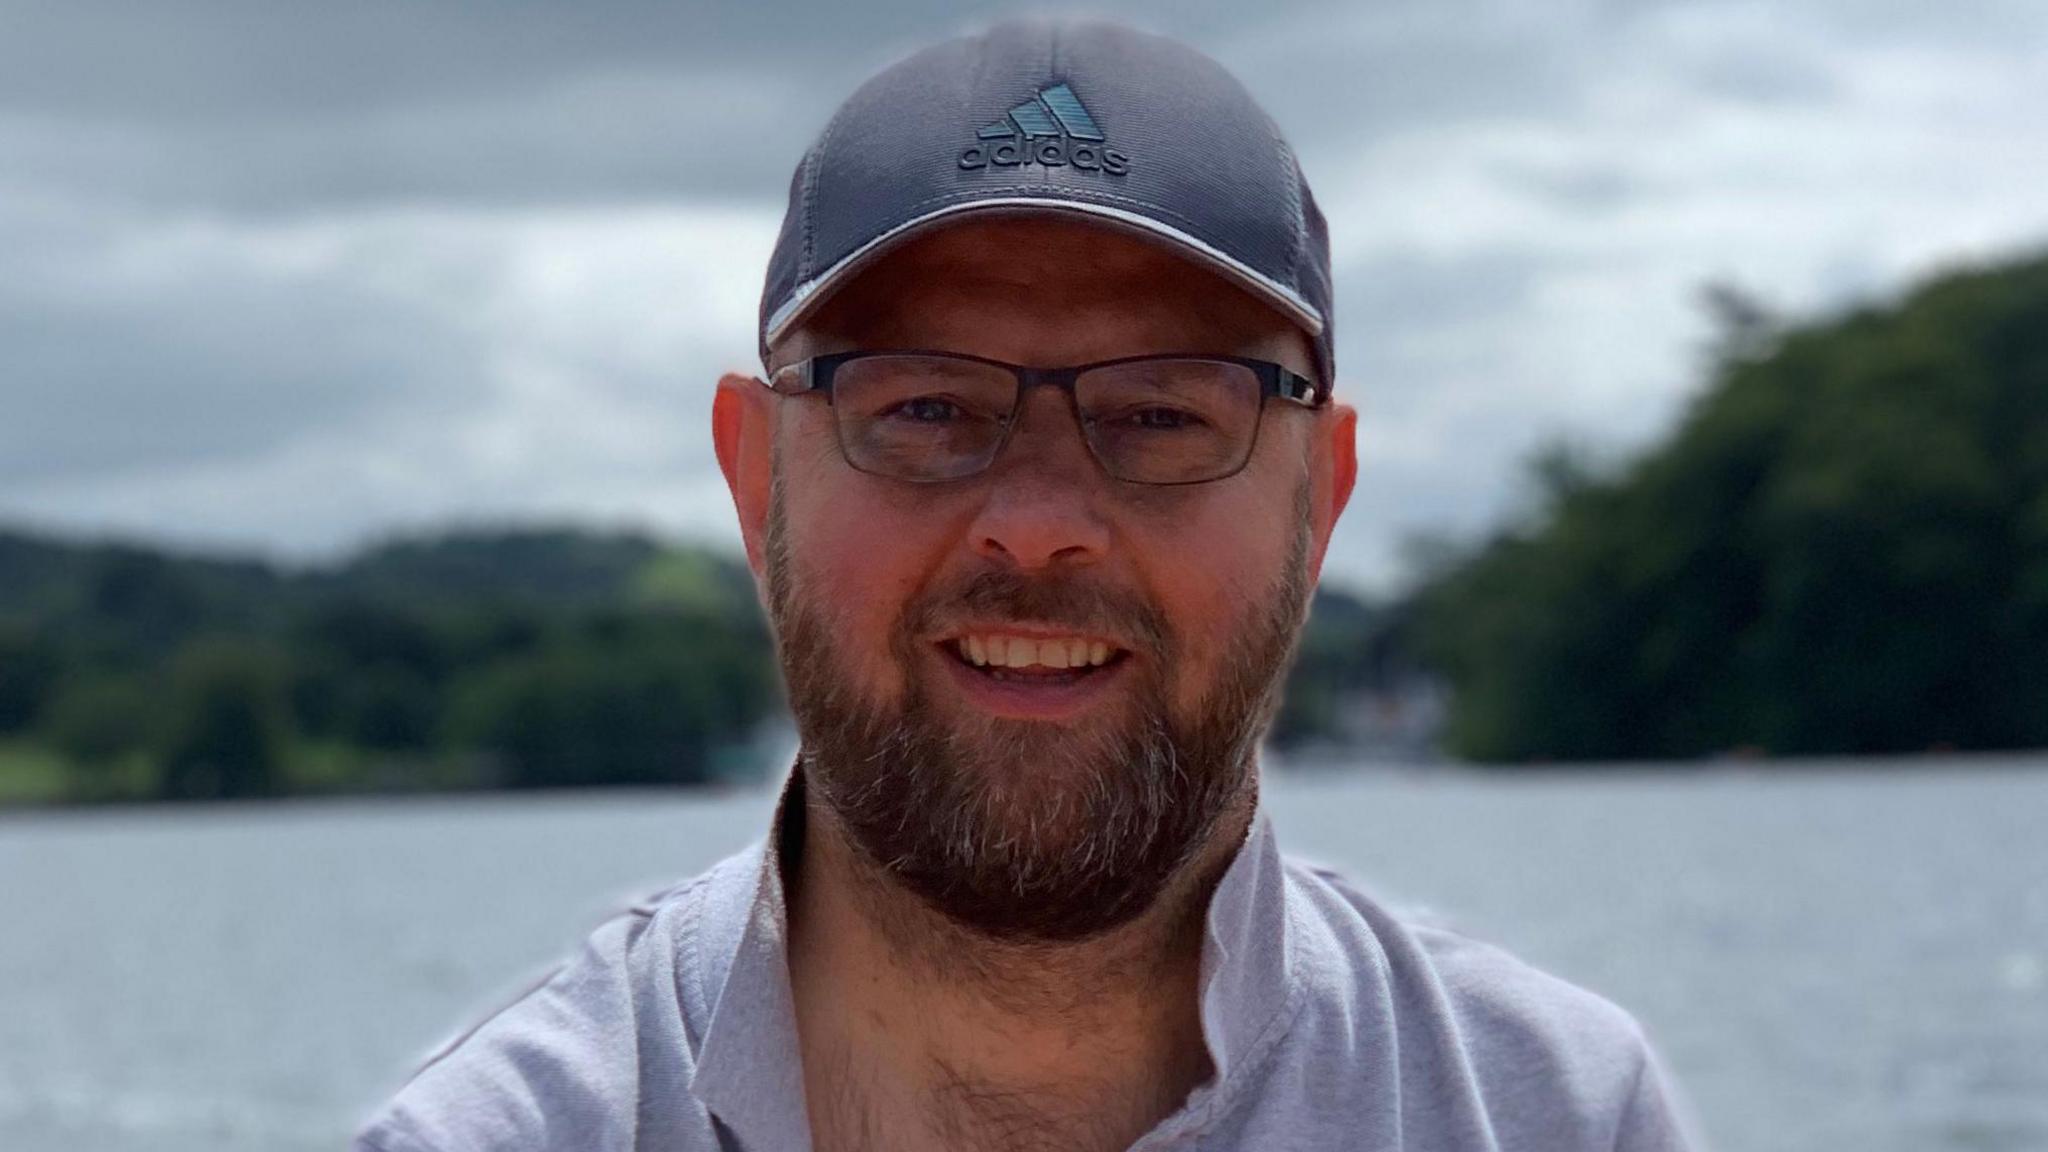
x=1044 y=290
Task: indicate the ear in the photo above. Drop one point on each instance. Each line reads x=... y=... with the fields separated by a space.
x=1336 y=470
x=742 y=432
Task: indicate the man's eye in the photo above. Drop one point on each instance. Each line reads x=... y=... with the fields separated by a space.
x=927 y=410
x=1158 y=419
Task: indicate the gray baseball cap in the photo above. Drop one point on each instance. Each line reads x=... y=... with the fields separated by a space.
x=1127 y=129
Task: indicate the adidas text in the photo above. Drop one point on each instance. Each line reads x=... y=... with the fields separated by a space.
x=1050 y=152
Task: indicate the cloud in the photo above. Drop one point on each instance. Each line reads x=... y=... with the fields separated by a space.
x=585 y=139
x=300 y=385
x=236 y=105
x=134 y=348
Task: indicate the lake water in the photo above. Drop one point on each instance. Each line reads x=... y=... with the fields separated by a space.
x=1828 y=959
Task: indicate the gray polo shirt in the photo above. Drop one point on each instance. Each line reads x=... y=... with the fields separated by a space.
x=1331 y=1022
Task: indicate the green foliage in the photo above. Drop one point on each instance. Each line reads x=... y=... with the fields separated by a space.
x=30 y=773
x=227 y=725
x=689 y=580
x=28 y=677
x=1349 y=646
x=559 y=656
x=558 y=569
x=641 y=699
x=100 y=718
x=371 y=673
x=1843 y=549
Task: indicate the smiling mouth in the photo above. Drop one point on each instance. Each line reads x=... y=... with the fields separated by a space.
x=1034 y=659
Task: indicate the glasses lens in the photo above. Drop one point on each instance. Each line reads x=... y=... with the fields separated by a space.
x=1170 y=421
x=921 y=417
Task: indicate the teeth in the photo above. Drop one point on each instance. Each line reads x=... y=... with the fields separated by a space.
x=1027 y=652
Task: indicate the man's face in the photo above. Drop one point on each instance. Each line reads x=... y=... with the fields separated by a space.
x=921 y=626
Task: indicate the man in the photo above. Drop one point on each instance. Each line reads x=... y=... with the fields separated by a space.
x=1036 y=483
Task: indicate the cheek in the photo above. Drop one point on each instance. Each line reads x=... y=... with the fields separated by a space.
x=1213 y=565
x=860 y=555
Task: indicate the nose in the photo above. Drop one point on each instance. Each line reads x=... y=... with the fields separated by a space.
x=1044 y=493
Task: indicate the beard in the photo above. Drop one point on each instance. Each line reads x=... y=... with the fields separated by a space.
x=1024 y=830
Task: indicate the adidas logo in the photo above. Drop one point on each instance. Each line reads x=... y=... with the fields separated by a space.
x=1052 y=129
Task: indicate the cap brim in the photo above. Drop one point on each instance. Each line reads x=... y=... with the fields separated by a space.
x=809 y=294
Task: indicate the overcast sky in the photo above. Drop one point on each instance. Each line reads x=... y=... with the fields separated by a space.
x=288 y=277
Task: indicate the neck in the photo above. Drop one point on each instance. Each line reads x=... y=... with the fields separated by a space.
x=918 y=1033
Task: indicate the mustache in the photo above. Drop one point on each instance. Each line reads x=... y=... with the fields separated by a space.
x=1068 y=600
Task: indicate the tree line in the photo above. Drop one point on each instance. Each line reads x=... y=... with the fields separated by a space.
x=1841 y=549
x=485 y=659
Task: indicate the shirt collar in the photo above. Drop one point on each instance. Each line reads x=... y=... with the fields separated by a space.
x=1247 y=954
x=750 y=1070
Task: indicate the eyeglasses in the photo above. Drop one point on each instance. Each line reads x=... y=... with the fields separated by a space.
x=930 y=417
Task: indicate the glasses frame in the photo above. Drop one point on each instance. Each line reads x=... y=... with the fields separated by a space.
x=1276 y=381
